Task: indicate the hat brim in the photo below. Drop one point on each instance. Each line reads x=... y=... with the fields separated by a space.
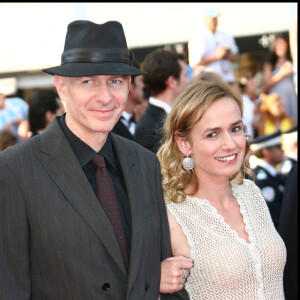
x=80 y=69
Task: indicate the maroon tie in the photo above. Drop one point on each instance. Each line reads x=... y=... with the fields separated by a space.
x=108 y=199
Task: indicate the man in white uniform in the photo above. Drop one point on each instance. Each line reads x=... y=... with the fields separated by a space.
x=213 y=48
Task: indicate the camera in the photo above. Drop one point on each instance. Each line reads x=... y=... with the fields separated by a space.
x=227 y=48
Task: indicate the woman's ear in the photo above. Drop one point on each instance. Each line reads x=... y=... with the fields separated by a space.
x=183 y=145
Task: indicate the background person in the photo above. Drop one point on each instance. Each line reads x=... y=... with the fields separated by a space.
x=13 y=110
x=217 y=217
x=126 y=124
x=288 y=230
x=251 y=113
x=269 y=154
x=7 y=140
x=289 y=140
x=166 y=78
x=278 y=75
x=273 y=116
x=44 y=106
x=213 y=48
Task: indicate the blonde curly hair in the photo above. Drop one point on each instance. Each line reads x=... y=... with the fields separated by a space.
x=187 y=110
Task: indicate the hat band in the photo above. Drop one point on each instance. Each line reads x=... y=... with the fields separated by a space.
x=96 y=55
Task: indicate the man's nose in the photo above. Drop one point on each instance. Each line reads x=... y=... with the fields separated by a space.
x=103 y=93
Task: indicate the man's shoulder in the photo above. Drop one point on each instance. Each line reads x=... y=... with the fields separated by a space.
x=152 y=115
x=20 y=150
x=131 y=146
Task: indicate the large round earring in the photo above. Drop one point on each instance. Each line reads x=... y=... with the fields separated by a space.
x=188 y=163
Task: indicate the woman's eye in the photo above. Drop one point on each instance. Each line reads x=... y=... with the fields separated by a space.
x=212 y=134
x=236 y=129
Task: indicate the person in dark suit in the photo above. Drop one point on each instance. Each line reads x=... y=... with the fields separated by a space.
x=166 y=78
x=288 y=230
x=269 y=154
x=126 y=124
x=290 y=148
x=58 y=240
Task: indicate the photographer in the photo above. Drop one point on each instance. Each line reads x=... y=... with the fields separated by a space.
x=213 y=48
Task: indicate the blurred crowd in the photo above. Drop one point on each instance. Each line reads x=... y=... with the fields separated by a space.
x=270 y=104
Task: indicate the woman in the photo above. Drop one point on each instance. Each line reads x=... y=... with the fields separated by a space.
x=216 y=217
x=278 y=75
x=273 y=116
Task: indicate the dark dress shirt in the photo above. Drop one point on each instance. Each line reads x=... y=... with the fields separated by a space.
x=85 y=154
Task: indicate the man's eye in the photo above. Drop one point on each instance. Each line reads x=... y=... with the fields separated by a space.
x=115 y=81
x=87 y=82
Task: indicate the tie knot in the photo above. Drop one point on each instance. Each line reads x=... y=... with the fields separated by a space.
x=98 y=161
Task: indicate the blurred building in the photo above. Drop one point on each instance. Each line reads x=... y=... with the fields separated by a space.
x=33 y=33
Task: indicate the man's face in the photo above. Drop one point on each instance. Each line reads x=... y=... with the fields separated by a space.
x=211 y=23
x=93 y=103
x=136 y=90
x=183 y=80
x=275 y=155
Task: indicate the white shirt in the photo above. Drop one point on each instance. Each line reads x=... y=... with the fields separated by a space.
x=267 y=166
x=166 y=107
x=125 y=120
x=204 y=43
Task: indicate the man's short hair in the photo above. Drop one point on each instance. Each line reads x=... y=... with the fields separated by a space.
x=160 y=64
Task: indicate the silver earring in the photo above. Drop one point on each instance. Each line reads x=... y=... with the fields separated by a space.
x=188 y=163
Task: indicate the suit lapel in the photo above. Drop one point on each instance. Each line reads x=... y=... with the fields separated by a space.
x=133 y=182
x=61 y=164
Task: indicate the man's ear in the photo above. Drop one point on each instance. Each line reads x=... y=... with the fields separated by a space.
x=171 y=82
x=60 y=84
x=49 y=116
x=183 y=145
x=129 y=84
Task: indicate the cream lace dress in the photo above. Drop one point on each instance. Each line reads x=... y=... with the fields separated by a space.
x=226 y=267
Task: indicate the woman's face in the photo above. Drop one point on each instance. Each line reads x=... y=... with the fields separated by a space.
x=217 y=142
x=281 y=47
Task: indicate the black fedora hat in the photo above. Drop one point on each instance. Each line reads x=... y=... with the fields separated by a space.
x=95 y=49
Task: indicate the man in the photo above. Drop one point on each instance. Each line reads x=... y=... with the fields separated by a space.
x=269 y=154
x=290 y=148
x=288 y=230
x=127 y=122
x=213 y=48
x=166 y=79
x=56 y=240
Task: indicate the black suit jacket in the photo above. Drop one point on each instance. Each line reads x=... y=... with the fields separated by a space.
x=288 y=229
x=122 y=130
x=148 y=132
x=272 y=188
x=56 y=241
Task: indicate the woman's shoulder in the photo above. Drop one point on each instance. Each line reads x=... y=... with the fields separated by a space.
x=247 y=187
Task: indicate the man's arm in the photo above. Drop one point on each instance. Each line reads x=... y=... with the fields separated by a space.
x=15 y=282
